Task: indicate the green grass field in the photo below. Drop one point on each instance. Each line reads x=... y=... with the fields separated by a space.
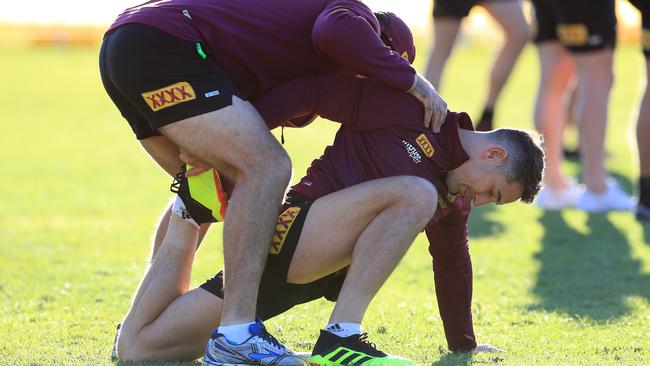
x=79 y=199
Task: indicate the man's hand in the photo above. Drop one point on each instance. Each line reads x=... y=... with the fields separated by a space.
x=198 y=166
x=435 y=108
x=486 y=348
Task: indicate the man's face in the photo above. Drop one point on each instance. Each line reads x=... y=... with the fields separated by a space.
x=482 y=181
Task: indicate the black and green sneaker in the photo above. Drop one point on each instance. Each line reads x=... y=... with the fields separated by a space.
x=355 y=350
x=203 y=195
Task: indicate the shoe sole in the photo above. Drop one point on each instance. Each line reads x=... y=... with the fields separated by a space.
x=212 y=363
x=205 y=362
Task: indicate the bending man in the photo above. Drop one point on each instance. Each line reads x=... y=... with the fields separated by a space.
x=181 y=72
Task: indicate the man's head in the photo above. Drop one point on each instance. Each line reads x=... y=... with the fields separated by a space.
x=396 y=35
x=505 y=165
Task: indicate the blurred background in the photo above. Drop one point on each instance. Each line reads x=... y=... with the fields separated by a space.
x=79 y=21
x=79 y=199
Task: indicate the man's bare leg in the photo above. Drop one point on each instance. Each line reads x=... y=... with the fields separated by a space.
x=642 y=138
x=166 y=279
x=161 y=231
x=391 y=211
x=445 y=31
x=179 y=332
x=166 y=154
x=595 y=79
x=551 y=108
x=510 y=16
x=236 y=140
x=643 y=128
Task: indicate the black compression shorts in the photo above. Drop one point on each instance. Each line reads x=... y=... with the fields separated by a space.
x=456 y=9
x=155 y=79
x=275 y=294
x=580 y=25
x=644 y=8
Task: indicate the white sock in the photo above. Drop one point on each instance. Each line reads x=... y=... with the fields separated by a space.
x=236 y=333
x=344 y=329
x=178 y=209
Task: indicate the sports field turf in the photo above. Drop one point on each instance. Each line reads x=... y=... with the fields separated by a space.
x=79 y=199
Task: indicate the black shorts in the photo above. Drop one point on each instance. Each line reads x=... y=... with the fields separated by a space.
x=644 y=8
x=456 y=9
x=275 y=294
x=155 y=79
x=580 y=25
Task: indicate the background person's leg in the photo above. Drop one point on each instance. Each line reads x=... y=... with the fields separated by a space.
x=235 y=137
x=557 y=71
x=510 y=16
x=595 y=79
x=445 y=30
x=642 y=138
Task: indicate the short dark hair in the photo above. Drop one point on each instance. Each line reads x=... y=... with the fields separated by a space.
x=525 y=163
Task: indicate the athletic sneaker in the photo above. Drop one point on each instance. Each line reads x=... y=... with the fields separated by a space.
x=332 y=350
x=261 y=348
x=642 y=212
x=203 y=195
x=552 y=200
x=613 y=199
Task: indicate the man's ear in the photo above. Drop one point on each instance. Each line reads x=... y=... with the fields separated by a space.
x=495 y=153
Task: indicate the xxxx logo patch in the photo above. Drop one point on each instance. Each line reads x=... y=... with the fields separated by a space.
x=285 y=220
x=425 y=145
x=573 y=34
x=169 y=96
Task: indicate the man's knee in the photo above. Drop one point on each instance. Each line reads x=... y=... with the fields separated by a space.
x=130 y=347
x=419 y=196
x=274 y=169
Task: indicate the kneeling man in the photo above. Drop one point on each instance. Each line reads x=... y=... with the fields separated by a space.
x=384 y=179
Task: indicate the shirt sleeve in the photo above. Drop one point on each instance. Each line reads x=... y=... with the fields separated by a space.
x=361 y=104
x=452 y=267
x=349 y=36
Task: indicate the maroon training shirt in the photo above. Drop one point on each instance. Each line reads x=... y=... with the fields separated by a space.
x=382 y=135
x=262 y=43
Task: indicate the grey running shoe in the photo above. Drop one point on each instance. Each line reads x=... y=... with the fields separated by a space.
x=260 y=349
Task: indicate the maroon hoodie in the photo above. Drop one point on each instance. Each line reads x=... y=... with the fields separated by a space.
x=261 y=44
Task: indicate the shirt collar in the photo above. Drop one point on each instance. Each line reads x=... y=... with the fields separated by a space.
x=449 y=132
